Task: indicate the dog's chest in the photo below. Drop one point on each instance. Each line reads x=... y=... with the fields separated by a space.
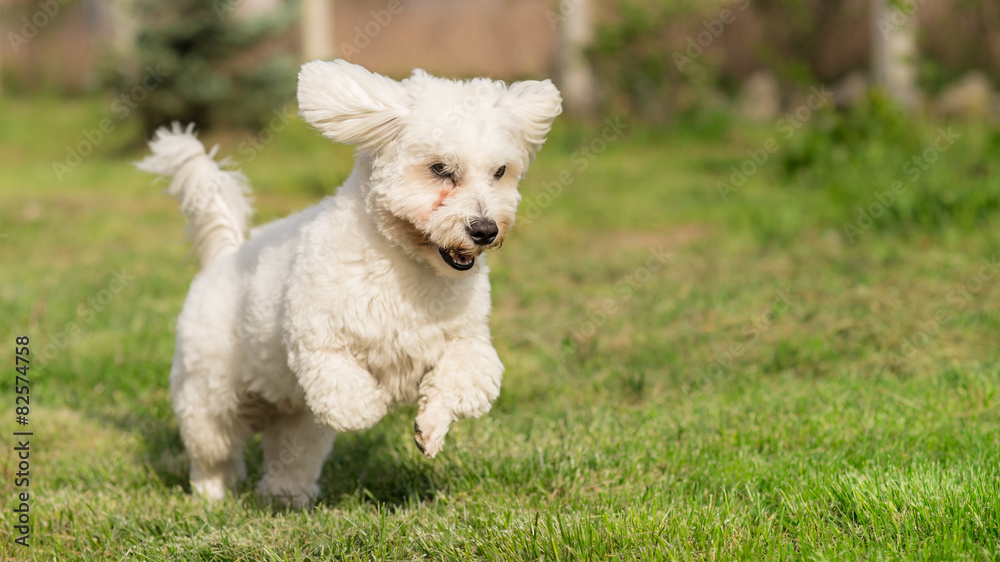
x=398 y=340
x=401 y=359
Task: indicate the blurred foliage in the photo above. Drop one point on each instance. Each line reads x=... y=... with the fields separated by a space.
x=218 y=67
x=880 y=165
x=967 y=37
x=792 y=32
x=661 y=58
x=838 y=138
x=632 y=58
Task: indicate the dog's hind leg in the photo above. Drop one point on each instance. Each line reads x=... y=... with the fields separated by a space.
x=215 y=447
x=213 y=479
x=211 y=429
x=295 y=447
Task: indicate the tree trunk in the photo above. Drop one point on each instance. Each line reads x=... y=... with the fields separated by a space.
x=317 y=29
x=894 y=51
x=575 y=75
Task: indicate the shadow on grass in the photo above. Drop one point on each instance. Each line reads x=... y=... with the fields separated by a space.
x=162 y=450
x=371 y=466
x=375 y=466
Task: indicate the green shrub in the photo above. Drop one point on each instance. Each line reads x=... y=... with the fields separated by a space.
x=660 y=59
x=213 y=68
x=884 y=169
x=645 y=63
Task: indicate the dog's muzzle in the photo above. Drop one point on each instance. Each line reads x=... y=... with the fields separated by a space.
x=457 y=259
x=482 y=232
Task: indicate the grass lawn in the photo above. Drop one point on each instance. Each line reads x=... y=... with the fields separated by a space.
x=805 y=367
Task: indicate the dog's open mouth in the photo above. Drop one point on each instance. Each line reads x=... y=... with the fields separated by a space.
x=457 y=260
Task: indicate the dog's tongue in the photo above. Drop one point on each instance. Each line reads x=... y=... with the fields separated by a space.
x=457 y=260
x=460 y=258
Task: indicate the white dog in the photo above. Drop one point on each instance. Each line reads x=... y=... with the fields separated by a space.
x=323 y=321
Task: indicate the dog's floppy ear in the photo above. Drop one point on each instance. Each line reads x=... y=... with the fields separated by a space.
x=534 y=105
x=349 y=104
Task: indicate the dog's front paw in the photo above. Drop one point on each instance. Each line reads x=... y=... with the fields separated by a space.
x=429 y=429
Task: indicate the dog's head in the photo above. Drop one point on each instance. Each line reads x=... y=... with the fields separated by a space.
x=443 y=158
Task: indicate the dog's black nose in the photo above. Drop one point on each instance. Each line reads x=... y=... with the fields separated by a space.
x=483 y=231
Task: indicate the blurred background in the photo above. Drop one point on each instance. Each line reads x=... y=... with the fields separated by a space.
x=230 y=61
x=657 y=59
x=735 y=133
x=752 y=291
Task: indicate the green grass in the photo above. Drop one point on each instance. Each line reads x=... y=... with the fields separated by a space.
x=771 y=391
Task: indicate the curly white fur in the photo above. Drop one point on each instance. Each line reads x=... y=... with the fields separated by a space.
x=213 y=200
x=323 y=321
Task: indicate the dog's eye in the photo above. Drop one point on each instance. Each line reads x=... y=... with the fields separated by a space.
x=500 y=172
x=440 y=171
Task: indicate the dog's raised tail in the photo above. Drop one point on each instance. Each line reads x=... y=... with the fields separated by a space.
x=214 y=201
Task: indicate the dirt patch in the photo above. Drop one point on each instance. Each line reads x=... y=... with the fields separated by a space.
x=628 y=240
